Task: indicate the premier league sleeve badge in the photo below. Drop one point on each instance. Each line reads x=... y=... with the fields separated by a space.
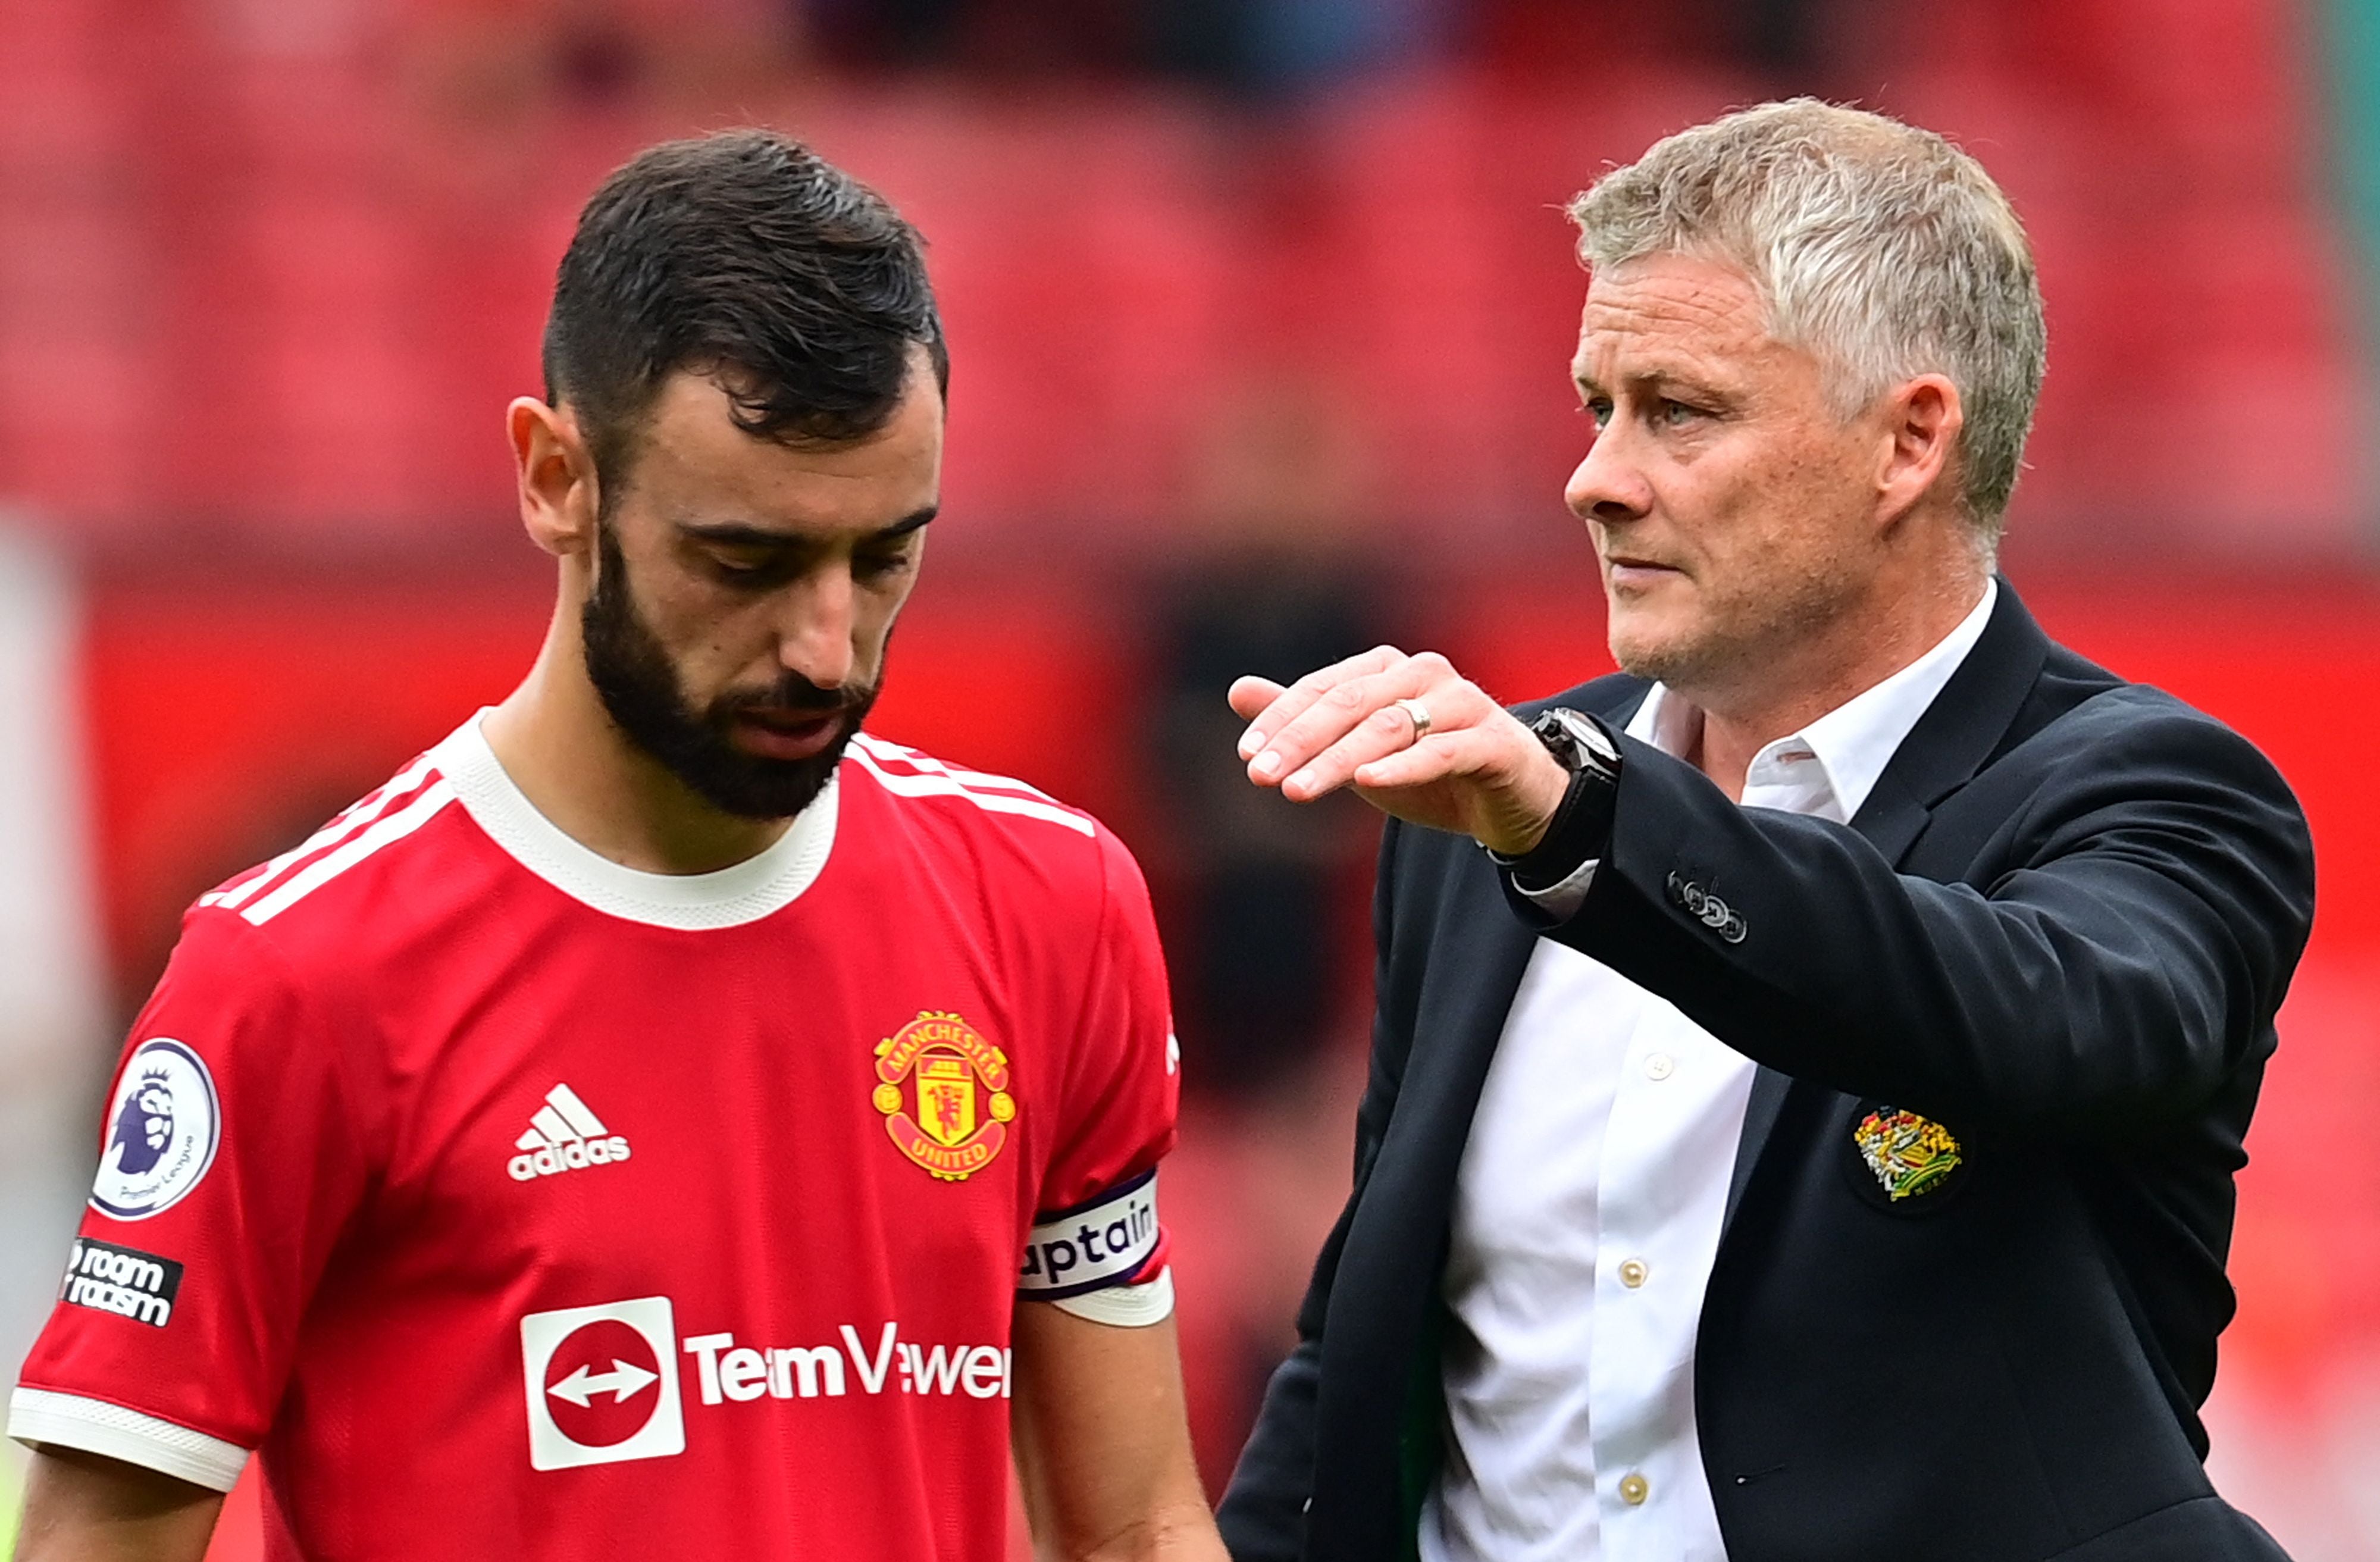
x=162 y=1125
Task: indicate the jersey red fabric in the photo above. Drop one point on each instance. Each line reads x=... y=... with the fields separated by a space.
x=514 y=1203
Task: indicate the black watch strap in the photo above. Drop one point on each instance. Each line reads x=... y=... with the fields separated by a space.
x=1580 y=832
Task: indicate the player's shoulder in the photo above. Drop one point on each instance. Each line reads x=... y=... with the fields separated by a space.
x=356 y=874
x=1009 y=830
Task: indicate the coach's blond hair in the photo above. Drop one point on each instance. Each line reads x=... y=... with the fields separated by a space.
x=1878 y=247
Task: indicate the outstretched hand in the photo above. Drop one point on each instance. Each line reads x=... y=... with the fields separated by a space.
x=1477 y=770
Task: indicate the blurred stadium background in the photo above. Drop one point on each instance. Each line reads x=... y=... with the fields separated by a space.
x=1260 y=311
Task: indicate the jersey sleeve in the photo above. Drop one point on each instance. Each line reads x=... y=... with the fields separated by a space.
x=230 y=1159
x=1096 y=1245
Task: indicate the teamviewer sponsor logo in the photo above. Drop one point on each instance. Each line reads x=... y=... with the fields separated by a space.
x=564 y=1135
x=124 y=1281
x=602 y=1384
x=729 y=1371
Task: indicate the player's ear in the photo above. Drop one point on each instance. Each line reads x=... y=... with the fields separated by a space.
x=556 y=476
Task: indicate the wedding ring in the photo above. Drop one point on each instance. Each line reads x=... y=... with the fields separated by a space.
x=1418 y=714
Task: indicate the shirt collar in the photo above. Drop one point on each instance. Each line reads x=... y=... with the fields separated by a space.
x=1850 y=745
x=769 y=881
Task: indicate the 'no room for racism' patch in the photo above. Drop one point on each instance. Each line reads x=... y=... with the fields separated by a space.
x=124 y=1281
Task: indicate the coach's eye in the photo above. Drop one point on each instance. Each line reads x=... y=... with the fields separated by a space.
x=1676 y=414
x=1597 y=409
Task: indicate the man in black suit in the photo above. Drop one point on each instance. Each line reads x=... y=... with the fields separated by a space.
x=1807 y=1129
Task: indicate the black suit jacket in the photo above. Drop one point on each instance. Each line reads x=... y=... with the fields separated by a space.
x=2060 y=927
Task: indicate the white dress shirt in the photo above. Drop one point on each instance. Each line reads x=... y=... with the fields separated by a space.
x=1588 y=1205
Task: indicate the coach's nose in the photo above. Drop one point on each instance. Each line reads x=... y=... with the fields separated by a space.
x=1608 y=484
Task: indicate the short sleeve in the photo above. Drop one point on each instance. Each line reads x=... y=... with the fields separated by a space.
x=230 y=1159
x=1097 y=1226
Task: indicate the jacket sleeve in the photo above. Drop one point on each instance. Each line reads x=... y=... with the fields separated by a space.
x=1263 y=1513
x=2148 y=901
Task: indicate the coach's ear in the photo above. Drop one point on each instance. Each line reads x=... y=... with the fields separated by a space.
x=1920 y=422
x=556 y=477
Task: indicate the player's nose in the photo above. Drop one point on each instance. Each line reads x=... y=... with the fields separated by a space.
x=814 y=632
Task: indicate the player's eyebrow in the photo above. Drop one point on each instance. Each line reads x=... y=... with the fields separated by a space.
x=744 y=534
x=914 y=520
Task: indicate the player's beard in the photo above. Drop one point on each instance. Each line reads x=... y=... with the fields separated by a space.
x=638 y=686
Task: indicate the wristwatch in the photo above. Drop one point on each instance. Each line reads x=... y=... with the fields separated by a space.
x=1578 y=741
x=1580 y=831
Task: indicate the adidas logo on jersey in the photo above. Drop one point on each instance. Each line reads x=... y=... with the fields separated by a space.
x=564 y=1135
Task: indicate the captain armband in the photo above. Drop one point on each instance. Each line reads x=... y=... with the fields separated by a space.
x=1114 y=1240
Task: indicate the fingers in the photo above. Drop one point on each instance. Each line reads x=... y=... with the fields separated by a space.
x=1359 y=708
x=1446 y=754
x=1386 y=730
x=1249 y=696
x=1357 y=720
x=1299 y=697
x=1492 y=780
x=1476 y=770
x=1464 y=752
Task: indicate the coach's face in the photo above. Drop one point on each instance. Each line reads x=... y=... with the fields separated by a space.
x=1731 y=509
x=745 y=588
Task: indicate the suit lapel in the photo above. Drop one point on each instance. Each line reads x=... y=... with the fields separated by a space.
x=1478 y=953
x=1395 y=1251
x=1948 y=745
x=1960 y=729
x=1465 y=1003
x=1379 y=1411
x=1760 y=1109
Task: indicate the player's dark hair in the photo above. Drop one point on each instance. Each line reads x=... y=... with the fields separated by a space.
x=747 y=256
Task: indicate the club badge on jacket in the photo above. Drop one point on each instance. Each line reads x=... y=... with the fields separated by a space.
x=1910 y=1156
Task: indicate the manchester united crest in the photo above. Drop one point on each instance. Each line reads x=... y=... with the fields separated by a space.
x=955 y=1116
x=1909 y=1154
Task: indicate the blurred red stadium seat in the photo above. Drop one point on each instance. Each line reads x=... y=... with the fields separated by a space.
x=340 y=314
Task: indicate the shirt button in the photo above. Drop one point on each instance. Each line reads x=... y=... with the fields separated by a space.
x=1633 y=1490
x=1633 y=1273
x=1660 y=1066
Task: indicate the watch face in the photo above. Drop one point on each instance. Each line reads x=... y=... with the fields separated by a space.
x=1595 y=740
x=1555 y=734
x=1573 y=731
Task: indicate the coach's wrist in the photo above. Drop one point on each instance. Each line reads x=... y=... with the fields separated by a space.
x=1530 y=807
x=1577 y=828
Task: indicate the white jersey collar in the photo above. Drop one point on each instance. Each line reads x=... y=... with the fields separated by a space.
x=764 y=882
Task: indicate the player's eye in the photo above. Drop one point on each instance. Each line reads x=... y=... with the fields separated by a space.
x=876 y=567
x=742 y=569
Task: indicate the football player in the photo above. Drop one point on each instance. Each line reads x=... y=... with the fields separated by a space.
x=664 y=1119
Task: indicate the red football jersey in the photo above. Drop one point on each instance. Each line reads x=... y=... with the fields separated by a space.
x=514 y=1204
